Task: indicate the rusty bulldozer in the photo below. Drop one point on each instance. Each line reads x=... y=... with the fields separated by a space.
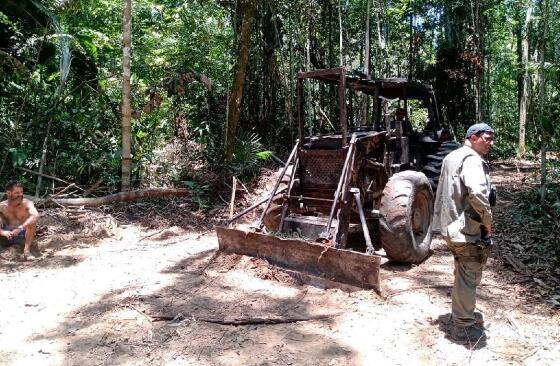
x=346 y=193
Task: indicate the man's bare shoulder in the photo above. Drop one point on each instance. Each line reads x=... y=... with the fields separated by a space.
x=28 y=203
x=3 y=205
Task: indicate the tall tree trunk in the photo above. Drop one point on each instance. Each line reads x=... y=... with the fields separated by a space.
x=411 y=46
x=479 y=59
x=381 y=43
x=366 y=62
x=236 y=95
x=543 y=31
x=340 y=33
x=523 y=102
x=291 y=80
x=330 y=57
x=43 y=160
x=308 y=42
x=126 y=109
x=487 y=87
x=519 y=52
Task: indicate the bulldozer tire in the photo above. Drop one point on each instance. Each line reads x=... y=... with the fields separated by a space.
x=274 y=213
x=406 y=217
x=432 y=168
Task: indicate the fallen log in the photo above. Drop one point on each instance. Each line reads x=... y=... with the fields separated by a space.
x=117 y=197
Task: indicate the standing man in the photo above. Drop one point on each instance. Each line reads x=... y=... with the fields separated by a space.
x=462 y=215
x=18 y=218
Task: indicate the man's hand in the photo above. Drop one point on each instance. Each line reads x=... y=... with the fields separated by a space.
x=5 y=233
x=488 y=229
x=16 y=232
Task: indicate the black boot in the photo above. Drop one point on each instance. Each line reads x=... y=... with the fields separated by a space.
x=471 y=334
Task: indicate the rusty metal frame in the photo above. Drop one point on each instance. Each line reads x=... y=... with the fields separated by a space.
x=251 y=208
x=344 y=177
x=287 y=196
x=260 y=224
x=336 y=75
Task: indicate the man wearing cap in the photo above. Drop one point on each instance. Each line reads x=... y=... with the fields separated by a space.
x=462 y=214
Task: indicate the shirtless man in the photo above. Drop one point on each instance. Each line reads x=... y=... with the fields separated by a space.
x=18 y=218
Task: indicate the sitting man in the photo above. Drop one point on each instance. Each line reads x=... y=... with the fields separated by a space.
x=18 y=218
x=400 y=116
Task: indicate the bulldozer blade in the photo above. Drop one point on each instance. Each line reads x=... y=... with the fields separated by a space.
x=346 y=266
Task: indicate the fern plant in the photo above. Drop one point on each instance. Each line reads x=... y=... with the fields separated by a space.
x=248 y=154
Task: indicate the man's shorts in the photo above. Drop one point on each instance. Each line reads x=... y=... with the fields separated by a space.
x=20 y=238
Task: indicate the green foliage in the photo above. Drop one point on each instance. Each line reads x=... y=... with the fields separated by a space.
x=200 y=194
x=172 y=38
x=84 y=142
x=247 y=154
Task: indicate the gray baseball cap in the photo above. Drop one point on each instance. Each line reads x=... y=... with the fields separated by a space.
x=477 y=128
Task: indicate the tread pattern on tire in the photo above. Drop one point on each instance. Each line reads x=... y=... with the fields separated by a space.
x=396 y=211
x=432 y=168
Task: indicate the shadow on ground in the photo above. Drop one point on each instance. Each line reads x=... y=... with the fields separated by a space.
x=445 y=324
x=119 y=329
x=58 y=230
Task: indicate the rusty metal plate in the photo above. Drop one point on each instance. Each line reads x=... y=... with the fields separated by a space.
x=339 y=265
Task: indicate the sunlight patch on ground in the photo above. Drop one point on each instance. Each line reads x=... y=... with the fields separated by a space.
x=128 y=267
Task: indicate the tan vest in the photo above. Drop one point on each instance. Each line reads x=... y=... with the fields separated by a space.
x=461 y=204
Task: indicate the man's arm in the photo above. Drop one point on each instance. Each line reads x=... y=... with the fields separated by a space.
x=4 y=233
x=474 y=178
x=33 y=215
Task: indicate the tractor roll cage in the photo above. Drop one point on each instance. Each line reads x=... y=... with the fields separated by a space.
x=379 y=89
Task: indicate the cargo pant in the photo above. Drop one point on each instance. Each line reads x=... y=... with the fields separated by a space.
x=470 y=260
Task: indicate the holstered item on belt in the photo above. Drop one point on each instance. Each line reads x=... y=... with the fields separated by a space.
x=493 y=195
x=485 y=241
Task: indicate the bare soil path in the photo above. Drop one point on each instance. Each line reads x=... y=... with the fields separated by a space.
x=152 y=294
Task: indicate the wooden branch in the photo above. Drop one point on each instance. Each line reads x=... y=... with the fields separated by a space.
x=44 y=175
x=277 y=159
x=232 y=201
x=517 y=265
x=242 y=185
x=266 y=320
x=43 y=203
x=93 y=188
x=121 y=197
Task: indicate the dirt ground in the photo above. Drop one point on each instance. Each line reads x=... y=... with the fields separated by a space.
x=152 y=290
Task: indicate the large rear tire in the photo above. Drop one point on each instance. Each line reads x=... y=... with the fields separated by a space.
x=406 y=217
x=432 y=168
